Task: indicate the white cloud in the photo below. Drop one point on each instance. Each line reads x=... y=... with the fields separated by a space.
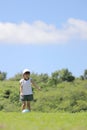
x=76 y=29
x=39 y=32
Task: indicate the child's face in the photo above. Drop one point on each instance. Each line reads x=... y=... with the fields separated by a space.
x=26 y=75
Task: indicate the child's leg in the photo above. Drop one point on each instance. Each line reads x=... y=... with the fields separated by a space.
x=28 y=105
x=23 y=105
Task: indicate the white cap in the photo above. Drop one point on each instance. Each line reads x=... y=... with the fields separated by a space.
x=26 y=70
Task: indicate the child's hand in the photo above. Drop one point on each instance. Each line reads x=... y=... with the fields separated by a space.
x=39 y=88
x=21 y=93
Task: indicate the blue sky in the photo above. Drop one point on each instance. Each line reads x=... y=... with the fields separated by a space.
x=43 y=35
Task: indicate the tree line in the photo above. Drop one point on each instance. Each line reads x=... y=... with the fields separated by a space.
x=55 y=78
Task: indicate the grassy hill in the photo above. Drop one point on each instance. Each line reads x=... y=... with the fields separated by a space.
x=65 y=97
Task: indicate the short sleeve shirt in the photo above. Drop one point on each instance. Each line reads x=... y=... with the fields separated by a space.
x=26 y=86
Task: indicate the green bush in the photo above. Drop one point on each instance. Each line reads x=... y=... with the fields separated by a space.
x=69 y=97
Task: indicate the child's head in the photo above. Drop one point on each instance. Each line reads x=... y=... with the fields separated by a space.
x=26 y=74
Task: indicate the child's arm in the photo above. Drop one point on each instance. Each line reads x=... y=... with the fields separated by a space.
x=34 y=84
x=21 y=88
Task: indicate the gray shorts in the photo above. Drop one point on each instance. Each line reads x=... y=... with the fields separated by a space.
x=26 y=97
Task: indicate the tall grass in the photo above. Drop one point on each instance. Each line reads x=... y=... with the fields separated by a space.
x=43 y=121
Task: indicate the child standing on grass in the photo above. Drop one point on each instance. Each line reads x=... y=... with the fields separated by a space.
x=26 y=94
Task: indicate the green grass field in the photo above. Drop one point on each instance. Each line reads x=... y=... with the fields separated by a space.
x=43 y=121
